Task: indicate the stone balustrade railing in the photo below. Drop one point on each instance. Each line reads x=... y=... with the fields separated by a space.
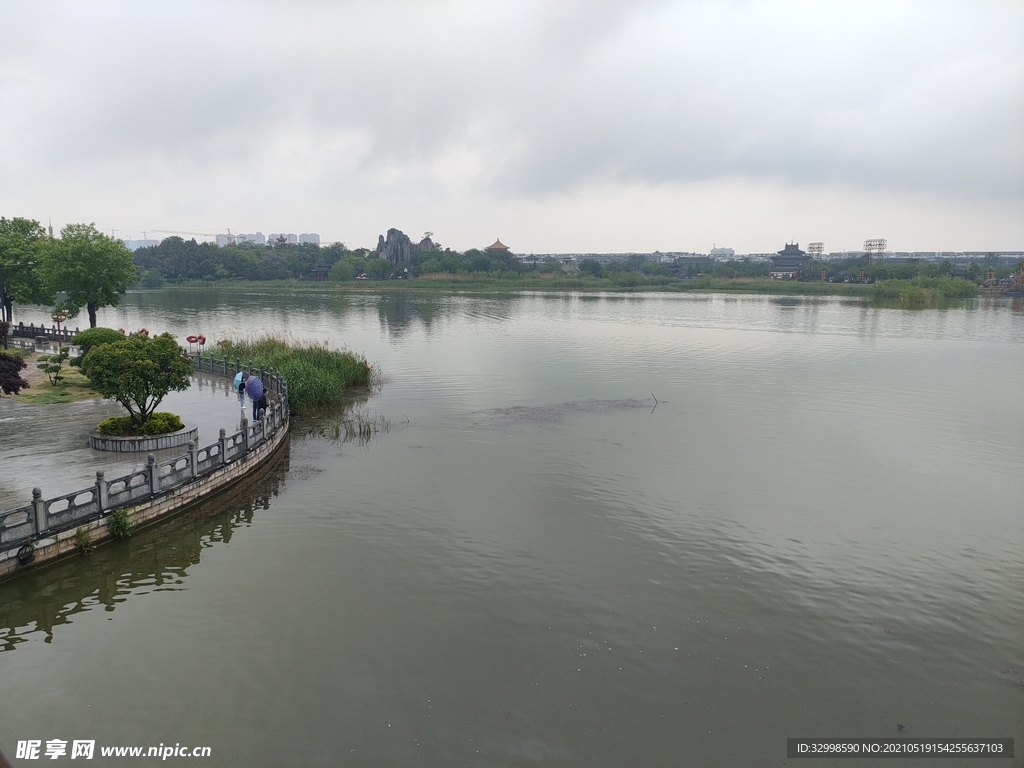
x=32 y=331
x=25 y=528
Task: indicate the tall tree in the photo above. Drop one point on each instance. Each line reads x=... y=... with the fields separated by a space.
x=22 y=242
x=138 y=372
x=92 y=269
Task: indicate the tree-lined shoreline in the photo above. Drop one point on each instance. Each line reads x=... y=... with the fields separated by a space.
x=83 y=268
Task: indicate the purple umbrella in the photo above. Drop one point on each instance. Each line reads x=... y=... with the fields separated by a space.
x=254 y=387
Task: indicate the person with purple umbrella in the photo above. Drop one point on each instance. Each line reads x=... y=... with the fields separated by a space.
x=254 y=389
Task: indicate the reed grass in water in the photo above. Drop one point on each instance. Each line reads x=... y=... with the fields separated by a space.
x=359 y=426
x=923 y=291
x=317 y=376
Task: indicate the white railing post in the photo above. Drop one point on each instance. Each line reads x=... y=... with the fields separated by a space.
x=102 y=500
x=39 y=506
x=154 y=474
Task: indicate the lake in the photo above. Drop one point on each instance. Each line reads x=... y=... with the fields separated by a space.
x=602 y=530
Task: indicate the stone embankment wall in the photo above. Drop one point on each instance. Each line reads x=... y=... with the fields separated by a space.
x=45 y=529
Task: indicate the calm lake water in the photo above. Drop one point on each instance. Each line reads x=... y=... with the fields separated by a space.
x=817 y=531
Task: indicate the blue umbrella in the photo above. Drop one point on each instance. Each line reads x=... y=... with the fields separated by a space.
x=254 y=387
x=238 y=380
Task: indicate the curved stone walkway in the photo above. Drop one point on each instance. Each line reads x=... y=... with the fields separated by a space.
x=47 y=446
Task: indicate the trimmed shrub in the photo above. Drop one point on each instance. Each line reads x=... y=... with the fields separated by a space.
x=159 y=423
x=138 y=372
x=93 y=337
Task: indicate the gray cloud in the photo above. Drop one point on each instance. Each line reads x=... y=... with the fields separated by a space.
x=409 y=104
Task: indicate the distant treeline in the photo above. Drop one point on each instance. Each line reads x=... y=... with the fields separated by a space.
x=852 y=270
x=182 y=261
x=176 y=260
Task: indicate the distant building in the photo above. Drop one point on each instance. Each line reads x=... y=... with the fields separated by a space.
x=134 y=245
x=256 y=238
x=322 y=272
x=309 y=237
x=788 y=263
x=227 y=239
x=722 y=253
x=694 y=261
x=498 y=247
x=281 y=237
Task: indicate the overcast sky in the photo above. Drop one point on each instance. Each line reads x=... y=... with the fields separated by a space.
x=560 y=126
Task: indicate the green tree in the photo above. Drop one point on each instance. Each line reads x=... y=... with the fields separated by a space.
x=138 y=372
x=152 y=278
x=53 y=364
x=93 y=337
x=91 y=268
x=343 y=271
x=22 y=242
x=273 y=266
x=378 y=269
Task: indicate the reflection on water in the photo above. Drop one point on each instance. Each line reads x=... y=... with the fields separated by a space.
x=155 y=559
x=816 y=531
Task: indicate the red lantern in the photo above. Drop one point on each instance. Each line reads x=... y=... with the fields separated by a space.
x=144 y=331
x=192 y=339
x=121 y=331
x=201 y=339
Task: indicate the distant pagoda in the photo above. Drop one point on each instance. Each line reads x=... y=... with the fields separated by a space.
x=789 y=262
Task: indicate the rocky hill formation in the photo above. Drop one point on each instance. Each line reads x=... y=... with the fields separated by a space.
x=398 y=248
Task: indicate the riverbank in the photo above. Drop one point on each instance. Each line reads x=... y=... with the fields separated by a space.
x=47 y=444
x=918 y=293
x=50 y=527
x=442 y=283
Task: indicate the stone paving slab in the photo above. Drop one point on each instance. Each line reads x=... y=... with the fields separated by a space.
x=47 y=446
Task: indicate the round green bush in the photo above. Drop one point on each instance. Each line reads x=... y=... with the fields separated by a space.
x=93 y=337
x=159 y=423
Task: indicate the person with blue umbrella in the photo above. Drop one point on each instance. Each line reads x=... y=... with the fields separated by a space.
x=240 y=378
x=254 y=389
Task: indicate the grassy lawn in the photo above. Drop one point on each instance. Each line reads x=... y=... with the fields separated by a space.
x=73 y=386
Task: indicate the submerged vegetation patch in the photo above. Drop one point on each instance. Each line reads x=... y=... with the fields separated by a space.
x=317 y=376
x=503 y=417
x=358 y=426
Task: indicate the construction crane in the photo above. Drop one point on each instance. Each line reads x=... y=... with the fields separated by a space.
x=180 y=232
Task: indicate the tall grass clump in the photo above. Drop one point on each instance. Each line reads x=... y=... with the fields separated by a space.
x=317 y=376
x=351 y=424
x=922 y=291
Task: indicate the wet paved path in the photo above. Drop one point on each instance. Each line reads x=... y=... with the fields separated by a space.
x=47 y=446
